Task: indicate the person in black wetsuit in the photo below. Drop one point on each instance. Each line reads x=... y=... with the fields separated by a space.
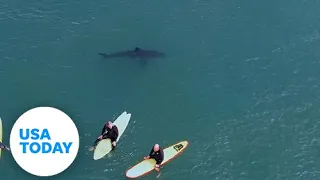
x=2 y=146
x=157 y=154
x=112 y=134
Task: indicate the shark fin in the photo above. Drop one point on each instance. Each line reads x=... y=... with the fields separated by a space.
x=137 y=49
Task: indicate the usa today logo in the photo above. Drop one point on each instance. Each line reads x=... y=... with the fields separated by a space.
x=44 y=141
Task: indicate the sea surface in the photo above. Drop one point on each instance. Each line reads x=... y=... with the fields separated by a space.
x=241 y=83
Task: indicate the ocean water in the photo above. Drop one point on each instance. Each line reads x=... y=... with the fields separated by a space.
x=240 y=82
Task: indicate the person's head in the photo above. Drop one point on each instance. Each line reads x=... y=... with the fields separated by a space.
x=156 y=147
x=109 y=124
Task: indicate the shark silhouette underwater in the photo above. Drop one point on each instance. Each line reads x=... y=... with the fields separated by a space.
x=137 y=53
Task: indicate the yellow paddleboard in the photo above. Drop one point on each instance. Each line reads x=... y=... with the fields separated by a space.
x=0 y=134
x=146 y=166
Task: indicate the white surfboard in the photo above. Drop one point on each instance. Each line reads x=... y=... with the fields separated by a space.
x=0 y=133
x=104 y=146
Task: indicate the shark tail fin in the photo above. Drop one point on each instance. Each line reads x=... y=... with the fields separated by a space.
x=104 y=55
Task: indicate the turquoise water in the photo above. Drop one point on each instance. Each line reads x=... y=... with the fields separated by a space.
x=240 y=82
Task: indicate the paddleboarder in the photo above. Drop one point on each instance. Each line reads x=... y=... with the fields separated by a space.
x=112 y=133
x=2 y=146
x=157 y=154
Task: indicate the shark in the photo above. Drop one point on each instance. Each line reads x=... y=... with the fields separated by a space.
x=137 y=53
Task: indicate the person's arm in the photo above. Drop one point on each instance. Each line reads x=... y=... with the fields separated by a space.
x=159 y=158
x=147 y=157
x=2 y=146
x=151 y=152
x=116 y=133
x=103 y=130
x=113 y=134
